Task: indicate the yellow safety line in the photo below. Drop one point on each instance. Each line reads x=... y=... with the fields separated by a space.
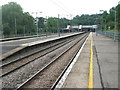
x=90 y=83
x=27 y=44
x=11 y=45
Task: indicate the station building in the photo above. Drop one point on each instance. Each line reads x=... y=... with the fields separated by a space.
x=89 y=28
x=82 y=28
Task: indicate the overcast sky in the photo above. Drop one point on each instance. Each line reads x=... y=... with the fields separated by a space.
x=64 y=7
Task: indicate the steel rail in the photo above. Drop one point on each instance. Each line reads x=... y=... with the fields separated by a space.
x=4 y=65
x=24 y=56
x=49 y=64
x=28 y=55
x=4 y=59
x=63 y=72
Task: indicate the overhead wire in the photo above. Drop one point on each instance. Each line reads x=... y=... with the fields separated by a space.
x=64 y=6
x=59 y=6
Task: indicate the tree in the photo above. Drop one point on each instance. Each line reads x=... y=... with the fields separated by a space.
x=118 y=16
x=15 y=21
x=110 y=18
x=52 y=24
x=86 y=19
x=41 y=25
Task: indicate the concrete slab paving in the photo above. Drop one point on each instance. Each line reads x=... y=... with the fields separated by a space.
x=96 y=74
x=107 y=52
x=105 y=65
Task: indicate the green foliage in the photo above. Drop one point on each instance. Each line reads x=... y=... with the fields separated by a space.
x=63 y=22
x=12 y=14
x=118 y=17
x=110 y=18
x=41 y=22
x=53 y=24
x=110 y=24
x=86 y=19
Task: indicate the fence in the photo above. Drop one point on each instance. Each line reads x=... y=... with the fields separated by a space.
x=114 y=35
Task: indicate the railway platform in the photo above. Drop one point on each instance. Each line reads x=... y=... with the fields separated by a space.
x=96 y=65
x=12 y=46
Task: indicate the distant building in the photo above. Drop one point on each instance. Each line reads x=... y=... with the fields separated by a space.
x=67 y=29
x=89 y=28
x=86 y=28
x=77 y=27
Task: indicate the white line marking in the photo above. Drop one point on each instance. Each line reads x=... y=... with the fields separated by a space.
x=61 y=82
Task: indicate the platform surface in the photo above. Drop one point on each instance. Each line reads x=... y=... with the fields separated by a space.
x=107 y=56
x=105 y=65
x=12 y=44
x=9 y=47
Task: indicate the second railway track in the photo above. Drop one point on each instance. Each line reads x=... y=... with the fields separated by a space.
x=20 y=62
x=47 y=76
x=16 y=83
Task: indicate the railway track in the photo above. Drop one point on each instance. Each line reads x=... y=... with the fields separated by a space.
x=49 y=75
x=10 y=66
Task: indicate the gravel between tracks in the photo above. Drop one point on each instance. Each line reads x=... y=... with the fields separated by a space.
x=48 y=76
x=32 y=57
x=19 y=76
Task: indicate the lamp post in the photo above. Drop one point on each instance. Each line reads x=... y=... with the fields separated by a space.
x=37 y=20
x=15 y=27
x=45 y=23
x=114 y=24
x=105 y=21
x=105 y=26
x=71 y=23
x=58 y=25
x=24 y=31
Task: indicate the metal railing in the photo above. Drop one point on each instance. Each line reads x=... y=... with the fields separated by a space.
x=113 y=35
